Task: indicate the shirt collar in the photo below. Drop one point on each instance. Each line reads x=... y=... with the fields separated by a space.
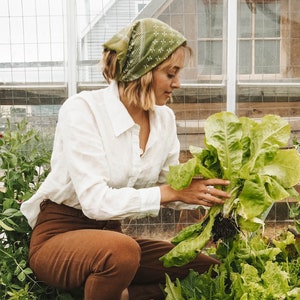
x=118 y=114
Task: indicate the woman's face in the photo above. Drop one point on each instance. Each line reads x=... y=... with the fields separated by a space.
x=166 y=77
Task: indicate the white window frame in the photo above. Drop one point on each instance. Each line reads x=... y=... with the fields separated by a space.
x=254 y=76
x=223 y=39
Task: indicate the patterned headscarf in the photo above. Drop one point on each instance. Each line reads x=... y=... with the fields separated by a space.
x=142 y=46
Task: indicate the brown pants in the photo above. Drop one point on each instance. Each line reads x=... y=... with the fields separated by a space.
x=68 y=251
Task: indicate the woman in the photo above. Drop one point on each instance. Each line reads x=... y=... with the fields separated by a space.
x=112 y=150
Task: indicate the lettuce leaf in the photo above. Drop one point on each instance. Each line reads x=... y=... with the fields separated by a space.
x=188 y=249
x=223 y=131
x=173 y=291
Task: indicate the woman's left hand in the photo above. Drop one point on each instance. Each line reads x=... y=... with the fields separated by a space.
x=199 y=192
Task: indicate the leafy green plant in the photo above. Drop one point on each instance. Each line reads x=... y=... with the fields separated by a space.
x=250 y=269
x=261 y=169
x=24 y=164
x=295 y=209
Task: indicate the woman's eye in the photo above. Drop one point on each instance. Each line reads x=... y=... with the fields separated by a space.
x=171 y=75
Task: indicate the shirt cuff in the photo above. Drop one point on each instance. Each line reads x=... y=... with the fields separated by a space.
x=150 y=201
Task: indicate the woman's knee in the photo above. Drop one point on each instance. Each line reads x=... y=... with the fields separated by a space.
x=130 y=250
x=123 y=255
x=114 y=271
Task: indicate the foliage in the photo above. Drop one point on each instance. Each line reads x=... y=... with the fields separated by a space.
x=295 y=210
x=250 y=269
x=261 y=169
x=24 y=163
x=254 y=157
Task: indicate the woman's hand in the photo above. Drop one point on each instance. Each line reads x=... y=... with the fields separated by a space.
x=199 y=192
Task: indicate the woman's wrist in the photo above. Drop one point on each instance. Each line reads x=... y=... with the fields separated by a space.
x=167 y=194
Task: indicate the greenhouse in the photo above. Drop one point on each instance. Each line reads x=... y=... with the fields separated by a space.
x=234 y=100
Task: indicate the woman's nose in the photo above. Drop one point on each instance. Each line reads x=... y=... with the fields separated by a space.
x=176 y=83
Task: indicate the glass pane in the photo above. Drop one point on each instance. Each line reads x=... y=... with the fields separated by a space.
x=18 y=75
x=244 y=58
x=45 y=74
x=16 y=30
x=210 y=19
x=58 y=74
x=267 y=20
x=244 y=20
x=42 y=7
x=30 y=31
x=57 y=52
x=15 y=8
x=44 y=52
x=5 y=51
x=31 y=52
x=210 y=57
x=17 y=53
x=43 y=29
x=56 y=32
x=4 y=8
x=267 y=60
x=4 y=32
x=32 y=74
x=45 y=110
x=56 y=7
x=28 y=8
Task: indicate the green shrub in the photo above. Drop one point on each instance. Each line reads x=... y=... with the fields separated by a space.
x=24 y=164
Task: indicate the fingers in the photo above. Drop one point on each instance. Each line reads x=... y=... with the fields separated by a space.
x=211 y=190
x=215 y=181
x=213 y=196
x=204 y=192
x=210 y=200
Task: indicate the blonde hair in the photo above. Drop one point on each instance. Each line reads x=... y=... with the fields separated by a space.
x=139 y=92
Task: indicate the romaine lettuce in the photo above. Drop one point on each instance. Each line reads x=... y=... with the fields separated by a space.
x=254 y=156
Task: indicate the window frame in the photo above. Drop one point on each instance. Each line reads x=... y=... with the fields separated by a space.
x=222 y=39
x=253 y=39
x=253 y=76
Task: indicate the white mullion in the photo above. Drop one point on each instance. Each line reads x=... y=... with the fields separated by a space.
x=71 y=34
x=231 y=55
x=253 y=39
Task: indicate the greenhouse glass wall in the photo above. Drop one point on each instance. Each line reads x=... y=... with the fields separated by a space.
x=245 y=60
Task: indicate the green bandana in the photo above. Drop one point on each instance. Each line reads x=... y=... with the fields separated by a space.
x=142 y=46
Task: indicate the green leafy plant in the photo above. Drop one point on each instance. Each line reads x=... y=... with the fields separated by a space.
x=261 y=168
x=250 y=269
x=24 y=164
x=295 y=210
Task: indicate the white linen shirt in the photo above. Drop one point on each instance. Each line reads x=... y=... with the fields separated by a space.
x=96 y=164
